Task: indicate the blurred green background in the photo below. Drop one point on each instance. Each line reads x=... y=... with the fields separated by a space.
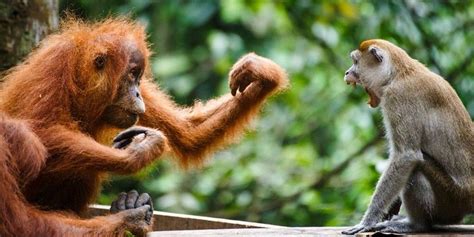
x=314 y=156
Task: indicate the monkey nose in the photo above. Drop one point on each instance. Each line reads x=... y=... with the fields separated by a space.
x=140 y=107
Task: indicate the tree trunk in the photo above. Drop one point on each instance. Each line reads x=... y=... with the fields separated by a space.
x=23 y=23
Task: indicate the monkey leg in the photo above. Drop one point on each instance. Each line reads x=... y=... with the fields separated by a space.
x=394 y=209
x=418 y=200
x=431 y=197
x=13 y=214
x=21 y=158
x=450 y=192
x=22 y=149
x=19 y=218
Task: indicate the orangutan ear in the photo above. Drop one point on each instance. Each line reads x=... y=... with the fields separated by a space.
x=377 y=53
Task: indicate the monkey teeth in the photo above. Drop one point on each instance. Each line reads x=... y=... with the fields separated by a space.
x=351 y=79
x=352 y=83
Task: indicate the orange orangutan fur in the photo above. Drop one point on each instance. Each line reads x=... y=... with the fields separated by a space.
x=51 y=164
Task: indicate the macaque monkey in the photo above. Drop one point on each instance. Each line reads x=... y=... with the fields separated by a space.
x=430 y=136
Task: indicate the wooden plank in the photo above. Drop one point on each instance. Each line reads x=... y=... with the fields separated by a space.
x=448 y=230
x=301 y=232
x=172 y=221
x=262 y=232
x=180 y=225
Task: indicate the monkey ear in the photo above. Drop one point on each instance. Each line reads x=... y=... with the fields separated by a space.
x=377 y=54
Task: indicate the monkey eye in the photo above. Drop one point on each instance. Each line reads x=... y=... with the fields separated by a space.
x=136 y=72
x=354 y=59
x=99 y=62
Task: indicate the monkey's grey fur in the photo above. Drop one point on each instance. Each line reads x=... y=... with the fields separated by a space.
x=431 y=141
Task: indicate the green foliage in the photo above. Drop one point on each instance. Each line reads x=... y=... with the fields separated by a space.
x=315 y=154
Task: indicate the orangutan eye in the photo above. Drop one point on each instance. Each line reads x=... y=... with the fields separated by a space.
x=99 y=62
x=136 y=73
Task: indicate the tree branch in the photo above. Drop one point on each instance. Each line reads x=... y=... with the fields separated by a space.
x=325 y=178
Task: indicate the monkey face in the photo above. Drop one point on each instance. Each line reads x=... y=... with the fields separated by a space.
x=112 y=60
x=351 y=76
x=370 y=69
x=128 y=104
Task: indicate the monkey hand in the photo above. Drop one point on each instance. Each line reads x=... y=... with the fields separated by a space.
x=143 y=145
x=136 y=210
x=252 y=68
x=362 y=227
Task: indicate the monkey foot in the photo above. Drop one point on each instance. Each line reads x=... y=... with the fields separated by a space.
x=399 y=226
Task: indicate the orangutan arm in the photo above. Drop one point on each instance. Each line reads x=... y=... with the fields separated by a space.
x=194 y=132
x=80 y=153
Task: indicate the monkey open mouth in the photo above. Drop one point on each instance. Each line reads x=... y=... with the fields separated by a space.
x=351 y=78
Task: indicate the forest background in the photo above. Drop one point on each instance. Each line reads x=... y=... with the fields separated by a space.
x=315 y=154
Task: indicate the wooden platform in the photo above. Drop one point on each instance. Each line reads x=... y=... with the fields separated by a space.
x=294 y=231
x=261 y=232
x=171 y=221
x=180 y=225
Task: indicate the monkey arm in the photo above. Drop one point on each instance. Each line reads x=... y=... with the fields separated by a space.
x=195 y=132
x=393 y=180
x=402 y=124
x=82 y=154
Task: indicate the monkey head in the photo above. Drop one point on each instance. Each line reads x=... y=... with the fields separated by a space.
x=128 y=103
x=372 y=68
x=112 y=59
